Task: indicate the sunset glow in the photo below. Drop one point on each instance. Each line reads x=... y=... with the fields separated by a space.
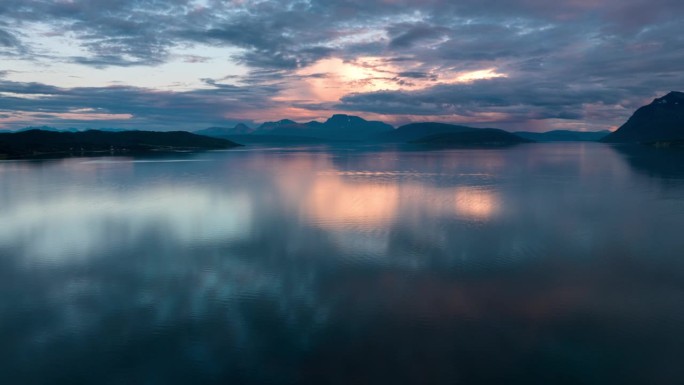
x=472 y=76
x=332 y=202
x=475 y=203
x=337 y=203
x=195 y=64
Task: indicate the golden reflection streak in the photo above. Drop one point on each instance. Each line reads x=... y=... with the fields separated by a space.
x=467 y=202
x=475 y=203
x=338 y=200
x=334 y=202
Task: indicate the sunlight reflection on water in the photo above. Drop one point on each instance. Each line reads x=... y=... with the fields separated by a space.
x=300 y=265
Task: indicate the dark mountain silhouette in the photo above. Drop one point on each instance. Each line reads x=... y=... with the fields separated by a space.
x=337 y=128
x=108 y=129
x=281 y=132
x=222 y=132
x=563 y=136
x=660 y=121
x=285 y=127
x=341 y=128
x=41 y=143
x=277 y=139
x=486 y=137
x=242 y=128
x=270 y=126
x=415 y=131
x=48 y=128
x=69 y=129
x=350 y=127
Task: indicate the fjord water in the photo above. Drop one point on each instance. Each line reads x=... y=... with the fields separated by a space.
x=535 y=264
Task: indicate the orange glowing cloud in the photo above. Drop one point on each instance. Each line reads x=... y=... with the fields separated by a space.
x=471 y=76
x=92 y=116
x=330 y=79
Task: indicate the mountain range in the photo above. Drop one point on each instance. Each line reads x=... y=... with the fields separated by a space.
x=45 y=143
x=660 y=121
x=337 y=128
x=348 y=128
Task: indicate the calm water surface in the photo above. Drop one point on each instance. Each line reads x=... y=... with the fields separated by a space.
x=538 y=264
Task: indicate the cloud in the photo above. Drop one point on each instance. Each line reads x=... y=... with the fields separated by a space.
x=416 y=75
x=129 y=107
x=405 y=36
x=10 y=45
x=570 y=61
x=8 y=40
x=504 y=102
x=291 y=33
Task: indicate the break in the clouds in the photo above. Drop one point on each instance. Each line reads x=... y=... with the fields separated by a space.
x=182 y=64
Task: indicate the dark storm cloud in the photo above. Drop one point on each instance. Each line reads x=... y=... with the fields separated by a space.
x=404 y=35
x=517 y=100
x=574 y=65
x=149 y=109
x=284 y=33
x=272 y=34
x=275 y=39
x=415 y=75
x=567 y=60
x=106 y=60
x=10 y=45
x=8 y=40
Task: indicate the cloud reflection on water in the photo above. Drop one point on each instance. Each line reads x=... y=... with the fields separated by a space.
x=258 y=263
x=81 y=223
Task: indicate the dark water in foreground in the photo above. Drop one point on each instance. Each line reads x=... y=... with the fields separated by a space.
x=538 y=264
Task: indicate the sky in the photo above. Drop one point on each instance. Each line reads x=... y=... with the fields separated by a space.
x=532 y=65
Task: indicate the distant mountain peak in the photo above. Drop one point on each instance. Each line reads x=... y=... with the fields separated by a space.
x=662 y=120
x=276 y=124
x=286 y=121
x=344 y=118
x=242 y=128
x=220 y=132
x=674 y=97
